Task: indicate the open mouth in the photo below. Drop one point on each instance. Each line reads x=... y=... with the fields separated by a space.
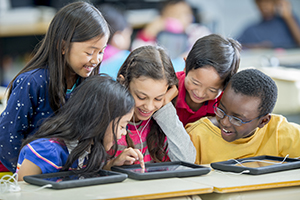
x=145 y=113
x=226 y=132
x=89 y=68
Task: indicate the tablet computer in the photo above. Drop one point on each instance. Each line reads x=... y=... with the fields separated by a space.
x=70 y=179
x=257 y=165
x=162 y=170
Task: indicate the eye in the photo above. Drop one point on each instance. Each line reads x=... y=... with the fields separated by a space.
x=89 y=54
x=213 y=91
x=195 y=83
x=236 y=119
x=140 y=97
x=158 y=99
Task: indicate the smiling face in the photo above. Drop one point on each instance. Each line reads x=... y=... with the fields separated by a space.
x=148 y=95
x=85 y=56
x=108 y=140
x=202 y=84
x=243 y=107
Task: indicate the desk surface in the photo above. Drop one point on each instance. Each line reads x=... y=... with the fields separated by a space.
x=215 y=185
x=128 y=189
x=224 y=182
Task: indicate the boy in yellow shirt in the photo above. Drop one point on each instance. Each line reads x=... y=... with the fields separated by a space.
x=243 y=125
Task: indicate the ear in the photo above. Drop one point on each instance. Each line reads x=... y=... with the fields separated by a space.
x=264 y=120
x=63 y=50
x=121 y=79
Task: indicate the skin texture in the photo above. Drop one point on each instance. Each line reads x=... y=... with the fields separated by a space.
x=148 y=95
x=120 y=130
x=84 y=57
x=201 y=85
x=243 y=107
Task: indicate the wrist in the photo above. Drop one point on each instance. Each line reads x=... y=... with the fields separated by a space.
x=109 y=164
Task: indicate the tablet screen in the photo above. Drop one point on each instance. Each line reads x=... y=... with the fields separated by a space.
x=74 y=176
x=259 y=163
x=160 y=168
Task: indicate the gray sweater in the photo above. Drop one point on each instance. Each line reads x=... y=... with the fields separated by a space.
x=180 y=145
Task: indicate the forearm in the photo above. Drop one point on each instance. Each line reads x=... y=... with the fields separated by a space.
x=179 y=143
x=294 y=28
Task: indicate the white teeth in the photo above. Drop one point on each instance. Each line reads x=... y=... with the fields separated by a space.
x=226 y=131
x=144 y=112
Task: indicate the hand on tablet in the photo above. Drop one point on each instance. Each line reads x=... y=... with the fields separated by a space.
x=128 y=157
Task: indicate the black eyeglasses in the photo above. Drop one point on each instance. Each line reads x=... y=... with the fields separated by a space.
x=233 y=120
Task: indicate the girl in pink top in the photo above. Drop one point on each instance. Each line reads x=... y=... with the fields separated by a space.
x=155 y=128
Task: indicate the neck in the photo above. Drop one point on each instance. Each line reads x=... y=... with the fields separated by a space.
x=71 y=79
x=194 y=106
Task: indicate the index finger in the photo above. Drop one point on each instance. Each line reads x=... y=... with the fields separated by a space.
x=140 y=158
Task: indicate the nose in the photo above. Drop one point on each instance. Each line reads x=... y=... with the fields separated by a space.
x=97 y=58
x=124 y=132
x=225 y=121
x=200 y=92
x=150 y=105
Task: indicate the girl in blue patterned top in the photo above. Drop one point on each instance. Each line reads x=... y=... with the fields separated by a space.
x=71 y=51
x=78 y=136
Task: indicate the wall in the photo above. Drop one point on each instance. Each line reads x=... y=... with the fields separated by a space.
x=231 y=16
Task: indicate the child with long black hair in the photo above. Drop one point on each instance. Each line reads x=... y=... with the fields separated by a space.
x=83 y=130
x=71 y=51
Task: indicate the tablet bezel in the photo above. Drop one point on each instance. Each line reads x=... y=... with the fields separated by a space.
x=229 y=166
x=39 y=179
x=196 y=170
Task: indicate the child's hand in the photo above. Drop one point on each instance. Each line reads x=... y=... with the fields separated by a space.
x=128 y=157
x=171 y=94
x=284 y=8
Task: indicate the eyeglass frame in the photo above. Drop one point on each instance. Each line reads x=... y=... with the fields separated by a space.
x=230 y=117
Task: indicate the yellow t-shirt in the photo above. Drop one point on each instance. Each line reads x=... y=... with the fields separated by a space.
x=277 y=138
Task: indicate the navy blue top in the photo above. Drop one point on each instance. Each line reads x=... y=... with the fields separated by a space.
x=274 y=31
x=27 y=107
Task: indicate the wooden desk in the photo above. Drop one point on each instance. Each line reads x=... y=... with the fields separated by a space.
x=229 y=186
x=128 y=189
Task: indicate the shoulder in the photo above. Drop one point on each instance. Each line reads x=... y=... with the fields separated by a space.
x=36 y=76
x=45 y=145
x=199 y=125
x=281 y=124
x=48 y=154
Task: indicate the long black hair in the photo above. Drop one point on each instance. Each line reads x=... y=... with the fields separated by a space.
x=76 y=22
x=95 y=103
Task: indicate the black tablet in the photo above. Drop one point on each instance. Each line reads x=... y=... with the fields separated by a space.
x=162 y=170
x=257 y=165
x=70 y=179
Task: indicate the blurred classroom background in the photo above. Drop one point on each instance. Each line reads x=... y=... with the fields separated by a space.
x=24 y=22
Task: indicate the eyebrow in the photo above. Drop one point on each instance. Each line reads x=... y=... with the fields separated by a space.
x=147 y=95
x=93 y=47
x=234 y=114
